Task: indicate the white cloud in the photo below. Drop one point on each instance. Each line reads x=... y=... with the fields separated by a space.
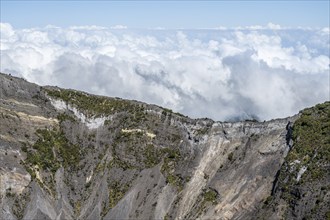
x=119 y=27
x=222 y=74
x=325 y=31
x=274 y=26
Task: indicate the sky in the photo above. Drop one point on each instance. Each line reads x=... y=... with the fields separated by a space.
x=217 y=59
x=165 y=14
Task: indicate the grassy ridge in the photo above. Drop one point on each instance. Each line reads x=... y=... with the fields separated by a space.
x=311 y=138
x=303 y=180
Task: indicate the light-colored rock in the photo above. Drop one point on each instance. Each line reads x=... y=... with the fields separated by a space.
x=13 y=181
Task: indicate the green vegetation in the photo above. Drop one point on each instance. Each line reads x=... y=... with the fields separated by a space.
x=135 y=149
x=167 y=111
x=119 y=163
x=311 y=141
x=166 y=217
x=117 y=188
x=20 y=202
x=152 y=156
x=52 y=150
x=172 y=157
x=77 y=207
x=127 y=141
x=116 y=193
x=251 y=120
x=210 y=196
x=230 y=156
x=65 y=117
x=268 y=200
x=205 y=199
x=43 y=157
x=328 y=215
x=203 y=131
x=97 y=105
x=311 y=149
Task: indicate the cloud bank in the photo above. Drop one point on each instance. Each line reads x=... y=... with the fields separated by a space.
x=239 y=73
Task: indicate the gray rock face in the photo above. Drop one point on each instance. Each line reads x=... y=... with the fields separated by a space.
x=118 y=159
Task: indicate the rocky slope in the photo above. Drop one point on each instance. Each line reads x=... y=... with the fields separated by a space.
x=302 y=185
x=67 y=154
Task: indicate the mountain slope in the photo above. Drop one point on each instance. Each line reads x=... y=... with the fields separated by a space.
x=67 y=154
x=302 y=186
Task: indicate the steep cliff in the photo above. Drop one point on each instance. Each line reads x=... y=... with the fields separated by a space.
x=302 y=186
x=67 y=154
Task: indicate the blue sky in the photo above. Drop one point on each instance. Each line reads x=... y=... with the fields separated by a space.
x=167 y=14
